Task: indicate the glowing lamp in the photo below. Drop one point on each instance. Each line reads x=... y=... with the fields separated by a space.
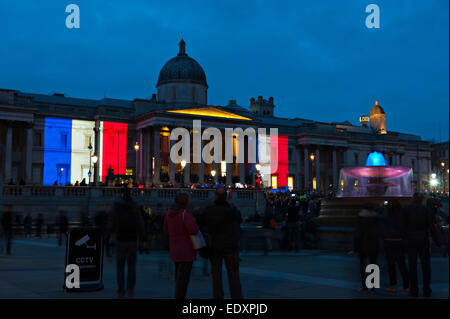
x=183 y=163
x=258 y=167
x=94 y=159
x=213 y=173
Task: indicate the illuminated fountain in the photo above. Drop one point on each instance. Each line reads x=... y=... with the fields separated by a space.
x=376 y=182
x=375 y=179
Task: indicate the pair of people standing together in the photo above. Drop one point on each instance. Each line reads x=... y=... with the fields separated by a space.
x=222 y=230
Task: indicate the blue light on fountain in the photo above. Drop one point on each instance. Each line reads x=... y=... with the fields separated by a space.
x=375 y=159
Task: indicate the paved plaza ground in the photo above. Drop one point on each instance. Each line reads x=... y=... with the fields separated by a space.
x=35 y=270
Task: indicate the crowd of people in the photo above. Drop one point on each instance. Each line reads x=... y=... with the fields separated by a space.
x=404 y=232
x=128 y=229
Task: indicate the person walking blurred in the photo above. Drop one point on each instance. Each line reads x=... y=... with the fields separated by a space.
x=27 y=225
x=39 y=224
x=179 y=224
x=63 y=226
x=7 y=225
x=367 y=240
x=126 y=223
x=292 y=224
x=417 y=225
x=394 y=246
x=223 y=225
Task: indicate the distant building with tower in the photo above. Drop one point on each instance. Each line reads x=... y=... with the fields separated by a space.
x=48 y=139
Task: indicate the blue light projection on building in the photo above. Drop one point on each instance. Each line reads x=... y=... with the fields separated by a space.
x=375 y=159
x=57 y=152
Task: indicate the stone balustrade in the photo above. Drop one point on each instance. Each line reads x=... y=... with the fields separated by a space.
x=48 y=199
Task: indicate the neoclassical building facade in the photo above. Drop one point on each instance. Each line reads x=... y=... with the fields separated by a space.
x=48 y=139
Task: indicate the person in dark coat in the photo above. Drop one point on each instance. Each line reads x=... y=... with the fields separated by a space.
x=223 y=224
x=39 y=224
x=394 y=246
x=292 y=226
x=179 y=224
x=7 y=225
x=367 y=239
x=417 y=226
x=27 y=225
x=126 y=223
x=63 y=226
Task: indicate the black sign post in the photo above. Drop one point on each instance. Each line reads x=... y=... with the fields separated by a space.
x=84 y=248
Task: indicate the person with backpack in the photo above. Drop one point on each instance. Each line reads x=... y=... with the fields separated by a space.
x=180 y=224
x=127 y=225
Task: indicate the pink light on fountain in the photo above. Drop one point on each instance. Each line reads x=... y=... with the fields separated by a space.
x=367 y=181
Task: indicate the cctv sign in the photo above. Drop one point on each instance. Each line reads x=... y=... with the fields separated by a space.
x=85 y=250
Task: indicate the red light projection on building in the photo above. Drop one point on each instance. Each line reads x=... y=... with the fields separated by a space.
x=114 y=148
x=279 y=159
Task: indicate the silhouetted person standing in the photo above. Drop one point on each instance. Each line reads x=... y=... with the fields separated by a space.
x=126 y=223
x=39 y=224
x=27 y=225
x=179 y=224
x=394 y=246
x=367 y=239
x=223 y=224
x=63 y=225
x=417 y=226
x=7 y=223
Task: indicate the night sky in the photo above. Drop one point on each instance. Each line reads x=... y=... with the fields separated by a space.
x=316 y=58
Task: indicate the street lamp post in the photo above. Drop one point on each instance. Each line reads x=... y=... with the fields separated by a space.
x=94 y=159
x=213 y=173
x=90 y=163
x=136 y=148
x=443 y=174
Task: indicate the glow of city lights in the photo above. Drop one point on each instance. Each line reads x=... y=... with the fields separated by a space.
x=433 y=175
x=434 y=182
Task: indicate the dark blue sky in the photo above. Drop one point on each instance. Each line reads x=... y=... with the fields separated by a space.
x=316 y=58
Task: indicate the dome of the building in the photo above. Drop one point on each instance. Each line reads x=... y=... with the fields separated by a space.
x=376 y=109
x=182 y=68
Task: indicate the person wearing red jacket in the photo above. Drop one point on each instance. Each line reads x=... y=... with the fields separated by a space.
x=179 y=224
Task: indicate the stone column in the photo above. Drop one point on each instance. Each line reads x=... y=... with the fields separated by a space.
x=317 y=160
x=335 y=177
x=229 y=179
x=201 y=165
x=187 y=174
x=139 y=160
x=148 y=162
x=171 y=165
x=157 y=154
x=419 y=175
x=29 y=154
x=346 y=161
x=306 y=166
x=8 y=152
x=97 y=151
x=297 y=168
x=216 y=168
x=242 y=173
